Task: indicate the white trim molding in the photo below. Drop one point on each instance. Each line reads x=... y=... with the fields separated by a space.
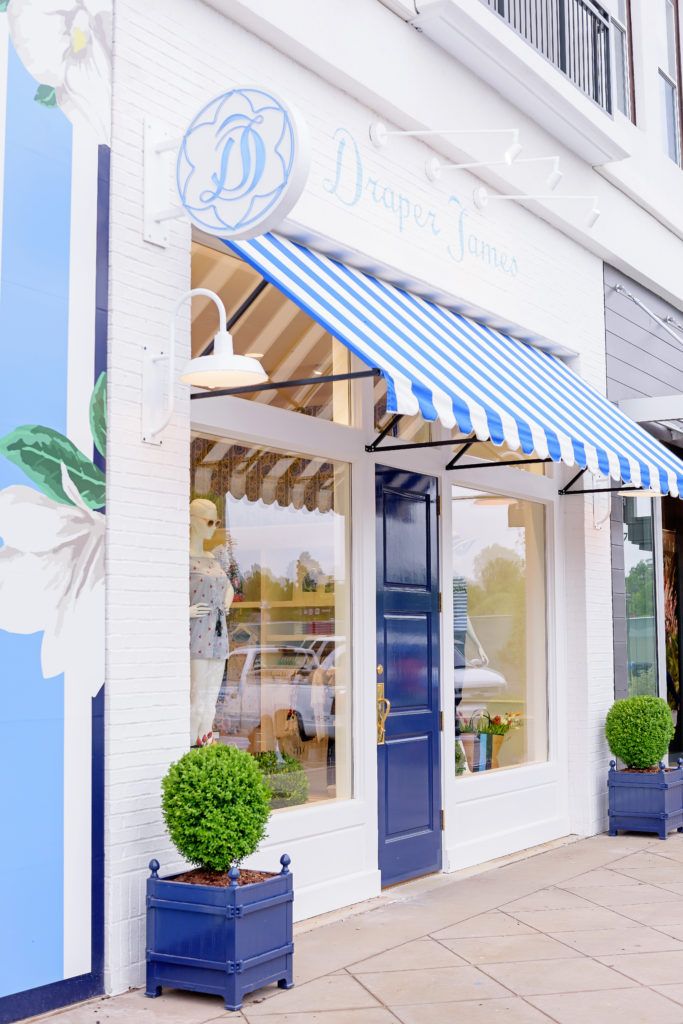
x=653 y=410
x=482 y=41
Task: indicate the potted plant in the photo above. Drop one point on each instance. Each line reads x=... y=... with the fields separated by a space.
x=217 y=929
x=285 y=778
x=483 y=736
x=645 y=796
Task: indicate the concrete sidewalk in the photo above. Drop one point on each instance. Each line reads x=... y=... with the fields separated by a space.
x=586 y=932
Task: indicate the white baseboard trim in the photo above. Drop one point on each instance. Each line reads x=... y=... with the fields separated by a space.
x=336 y=894
x=482 y=849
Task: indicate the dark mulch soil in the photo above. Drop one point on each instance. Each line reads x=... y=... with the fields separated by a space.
x=645 y=771
x=201 y=877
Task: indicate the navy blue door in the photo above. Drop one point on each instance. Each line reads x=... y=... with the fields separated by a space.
x=407 y=675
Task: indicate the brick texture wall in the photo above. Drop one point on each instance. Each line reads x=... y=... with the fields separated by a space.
x=171 y=57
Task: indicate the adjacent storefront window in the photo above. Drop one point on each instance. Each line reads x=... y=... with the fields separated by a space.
x=270 y=556
x=499 y=631
x=641 y=621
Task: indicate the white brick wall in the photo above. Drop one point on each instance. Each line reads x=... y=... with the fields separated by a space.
x=170 y=57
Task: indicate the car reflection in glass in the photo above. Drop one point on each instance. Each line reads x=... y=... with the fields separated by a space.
x=265 y=687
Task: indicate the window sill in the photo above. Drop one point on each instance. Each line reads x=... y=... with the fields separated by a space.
x=482 y=41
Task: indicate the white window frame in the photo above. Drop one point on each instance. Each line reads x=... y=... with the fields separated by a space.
x=671 y=77
x=258 y=424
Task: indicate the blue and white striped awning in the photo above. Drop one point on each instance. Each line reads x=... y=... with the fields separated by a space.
x=469 y=376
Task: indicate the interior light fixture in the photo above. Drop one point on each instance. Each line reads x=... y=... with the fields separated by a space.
x=482 y=198
x=221 y=369
x=379 y=135
x=495 y=499
x=639 y=492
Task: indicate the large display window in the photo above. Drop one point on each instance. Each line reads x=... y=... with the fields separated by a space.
x=270 y=613
x=499 y=631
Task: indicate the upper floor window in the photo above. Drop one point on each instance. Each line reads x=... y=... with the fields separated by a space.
x=623 y=60
x=670 y=82
x=574 y=35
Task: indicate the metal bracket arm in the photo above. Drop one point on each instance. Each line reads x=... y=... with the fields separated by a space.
x=595 y=490
x=275 y=385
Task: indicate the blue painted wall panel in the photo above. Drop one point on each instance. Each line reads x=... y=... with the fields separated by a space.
x=33 y=369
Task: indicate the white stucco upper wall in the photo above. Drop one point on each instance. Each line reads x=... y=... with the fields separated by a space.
x=374 y=55
x=377 y=206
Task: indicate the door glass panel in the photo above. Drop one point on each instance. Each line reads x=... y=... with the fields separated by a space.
x=282 y=538
x=639 y=572
x=499 y=631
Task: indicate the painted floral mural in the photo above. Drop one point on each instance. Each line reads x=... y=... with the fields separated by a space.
x=55 y=127
x=52 y=558
x=67 y=47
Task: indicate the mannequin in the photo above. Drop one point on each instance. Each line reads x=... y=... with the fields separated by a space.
x=211 y=595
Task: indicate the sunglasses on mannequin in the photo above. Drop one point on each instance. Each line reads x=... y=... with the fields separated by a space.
x=210 y=522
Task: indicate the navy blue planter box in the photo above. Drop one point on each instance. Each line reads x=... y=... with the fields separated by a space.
x=222 y=940
x=646 y=801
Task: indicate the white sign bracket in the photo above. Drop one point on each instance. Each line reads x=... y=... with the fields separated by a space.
x=158 y=146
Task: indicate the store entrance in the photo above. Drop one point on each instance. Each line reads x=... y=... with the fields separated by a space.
x=407 y=680
x=672 y=535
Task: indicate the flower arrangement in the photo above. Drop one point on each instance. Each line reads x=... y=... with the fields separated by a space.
x=500 y=725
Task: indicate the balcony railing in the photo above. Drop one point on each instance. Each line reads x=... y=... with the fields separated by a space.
x=574 y=35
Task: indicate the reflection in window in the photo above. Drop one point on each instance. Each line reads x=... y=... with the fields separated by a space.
x=283 y=540
x=499 y=631
x=641 y=623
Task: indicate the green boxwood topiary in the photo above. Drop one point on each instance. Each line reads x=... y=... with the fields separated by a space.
x=216 y=806
x=639 y=730
x=285 y=777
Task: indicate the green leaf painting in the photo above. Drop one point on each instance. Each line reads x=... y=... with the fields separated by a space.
x=46 y=96
x=40 y=452
x=4 y=4
x=98 y=415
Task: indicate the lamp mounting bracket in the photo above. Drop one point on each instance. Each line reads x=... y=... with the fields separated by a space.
x=158 y=146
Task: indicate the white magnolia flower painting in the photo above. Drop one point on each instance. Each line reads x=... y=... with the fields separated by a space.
x=52 y=549
x=66 y=45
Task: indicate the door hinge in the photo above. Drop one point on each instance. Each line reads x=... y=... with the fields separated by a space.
x=440 y=602
x=442 y=816
x=438 y=504
x=440 y=721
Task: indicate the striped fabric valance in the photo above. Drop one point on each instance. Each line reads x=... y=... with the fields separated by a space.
x=469 y=376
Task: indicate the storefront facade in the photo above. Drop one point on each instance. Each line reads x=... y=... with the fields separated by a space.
x=301 y=495
x=383 y=599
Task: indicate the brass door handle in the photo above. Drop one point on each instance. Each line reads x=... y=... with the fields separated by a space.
x=383 y=709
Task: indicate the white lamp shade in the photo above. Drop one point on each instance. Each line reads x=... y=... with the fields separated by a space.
x=223 y=369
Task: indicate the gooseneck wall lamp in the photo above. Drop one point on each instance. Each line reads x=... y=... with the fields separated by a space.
x=482 y=198
x=379 y=136
x=434 y=167
x=220 y=369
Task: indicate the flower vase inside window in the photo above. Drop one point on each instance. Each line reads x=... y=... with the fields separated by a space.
x=499 y=637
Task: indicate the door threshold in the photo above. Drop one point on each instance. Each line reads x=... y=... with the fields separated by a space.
x=413 y=878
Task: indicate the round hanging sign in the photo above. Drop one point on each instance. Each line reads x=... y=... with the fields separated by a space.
x=242 y=163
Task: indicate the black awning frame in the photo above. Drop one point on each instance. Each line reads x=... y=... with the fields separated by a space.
x=276 y=385
x=376 y=446
x=466 y=442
